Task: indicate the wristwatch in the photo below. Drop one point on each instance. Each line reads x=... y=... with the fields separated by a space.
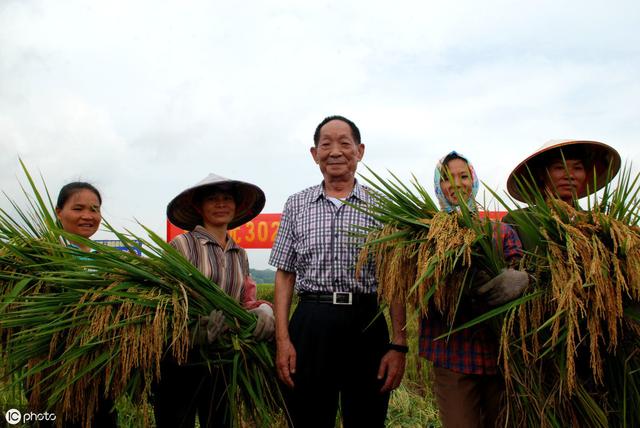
x=400 y=348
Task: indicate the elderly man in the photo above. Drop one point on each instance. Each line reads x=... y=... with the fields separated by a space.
x=336 y=347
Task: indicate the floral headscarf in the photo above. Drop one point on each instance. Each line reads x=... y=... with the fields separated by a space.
x=437 y=177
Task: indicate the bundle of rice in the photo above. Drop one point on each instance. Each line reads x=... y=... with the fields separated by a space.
x=424 y=256
x=75 y=326
x=571 y=355
x=570 y=347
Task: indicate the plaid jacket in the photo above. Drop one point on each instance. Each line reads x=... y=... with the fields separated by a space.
x=473 y=350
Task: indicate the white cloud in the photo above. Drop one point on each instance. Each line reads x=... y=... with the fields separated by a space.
x=145 y=98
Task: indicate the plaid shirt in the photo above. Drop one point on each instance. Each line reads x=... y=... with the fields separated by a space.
x=473 y=350
x=316 y=241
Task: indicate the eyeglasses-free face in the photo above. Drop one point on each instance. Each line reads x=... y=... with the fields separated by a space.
x=217 y=209
x=337 y=152
x=81 y=213
x=565 y=181
x=456 y=180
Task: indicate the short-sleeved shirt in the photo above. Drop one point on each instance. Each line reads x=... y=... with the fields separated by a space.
x=473 y=350
x=226 y=267
x=320 y=241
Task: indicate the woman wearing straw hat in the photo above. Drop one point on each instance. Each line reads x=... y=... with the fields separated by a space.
x=208 y=210
x=563 y=169
x=467 y=383
x=550 y=181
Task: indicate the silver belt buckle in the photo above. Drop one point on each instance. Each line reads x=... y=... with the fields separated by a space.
x=342 y=298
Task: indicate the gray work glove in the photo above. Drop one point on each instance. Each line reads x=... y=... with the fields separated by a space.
x=266 y=324
x=508 y=285
x=210 y=327
x=480 y=278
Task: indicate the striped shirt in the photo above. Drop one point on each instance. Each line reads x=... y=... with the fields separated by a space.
x=473 y=350
x=226 y=267
x=317 y=241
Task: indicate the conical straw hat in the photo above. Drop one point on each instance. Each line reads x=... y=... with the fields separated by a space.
x=250 y=200
x=598 y=157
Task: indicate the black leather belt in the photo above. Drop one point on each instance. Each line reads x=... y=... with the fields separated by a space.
x=338 y=298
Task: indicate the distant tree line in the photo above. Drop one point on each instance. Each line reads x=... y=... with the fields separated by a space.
x=263 y=276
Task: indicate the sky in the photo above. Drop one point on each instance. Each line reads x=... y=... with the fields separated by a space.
x=145 y=98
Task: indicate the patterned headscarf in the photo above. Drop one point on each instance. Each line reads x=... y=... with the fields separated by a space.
x=437 y=177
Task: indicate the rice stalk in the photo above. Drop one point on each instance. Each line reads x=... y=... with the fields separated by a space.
x=78 y=326
x=568 y=347
x=572 y=347
x=423 y=256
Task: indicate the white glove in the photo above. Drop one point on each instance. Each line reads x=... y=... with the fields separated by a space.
x=266 y=324
x=508 y=285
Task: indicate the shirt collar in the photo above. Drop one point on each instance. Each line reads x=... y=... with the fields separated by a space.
x=206 y=238
x=75 y=247
x=358 y=192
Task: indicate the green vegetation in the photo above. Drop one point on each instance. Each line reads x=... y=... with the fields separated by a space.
x=265 y=292
x=58 y=306
x=569 y=345
x=263 y=276
x=75 y=325
x=412 y=405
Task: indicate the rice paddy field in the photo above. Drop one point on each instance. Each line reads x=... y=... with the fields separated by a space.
x=412 y=404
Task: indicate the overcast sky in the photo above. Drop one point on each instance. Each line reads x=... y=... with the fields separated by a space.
x=145 y=98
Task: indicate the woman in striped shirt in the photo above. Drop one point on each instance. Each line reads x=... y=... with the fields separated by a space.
x=208 y=210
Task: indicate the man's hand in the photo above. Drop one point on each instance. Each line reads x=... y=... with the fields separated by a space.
x=508 y=285
x=285 y=351
x=286 y=361
x=266 y=324
x=391 y=370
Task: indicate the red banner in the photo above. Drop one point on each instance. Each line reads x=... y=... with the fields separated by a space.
x=493 y=215
x=258 y=233
x=261 y=231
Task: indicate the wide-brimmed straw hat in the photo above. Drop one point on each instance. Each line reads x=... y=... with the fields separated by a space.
x=598 y=157
x=249 y=198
